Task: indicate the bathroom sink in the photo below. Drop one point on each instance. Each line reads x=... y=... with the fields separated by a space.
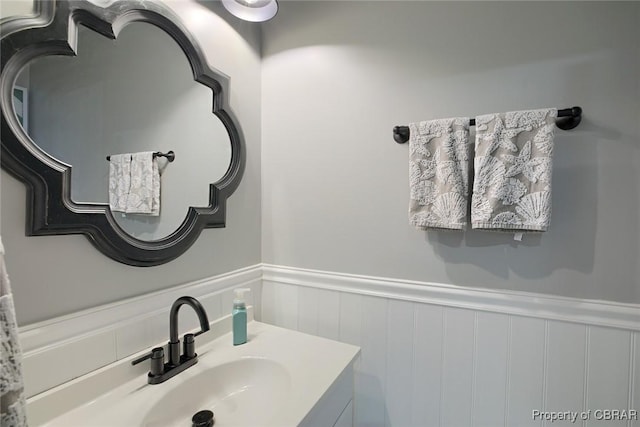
x=279 y=378
x=243 y=392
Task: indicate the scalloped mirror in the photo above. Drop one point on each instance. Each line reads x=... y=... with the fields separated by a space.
x=80 y=83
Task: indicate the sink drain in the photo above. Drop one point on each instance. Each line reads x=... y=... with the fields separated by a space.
x=203 y=419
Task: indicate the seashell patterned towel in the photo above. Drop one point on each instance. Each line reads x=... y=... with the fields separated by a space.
x=512 y=178
x=439 y=173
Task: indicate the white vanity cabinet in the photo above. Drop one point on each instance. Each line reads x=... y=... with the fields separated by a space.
x=335 y=408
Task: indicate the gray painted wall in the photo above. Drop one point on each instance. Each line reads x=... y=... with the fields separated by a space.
x=336 y=78
x=56 y=275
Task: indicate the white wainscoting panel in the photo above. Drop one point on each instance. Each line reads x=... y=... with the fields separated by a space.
x=308 y=310
x=566 y=368
x=608 y=383
x=328 y=305
x=491 y=362
x=85 y=341
x=441 y=355
x=399 y=382
x=457 y=367
x=428 y=358
x=634 y=393
x=374 y=338
x=525 y=380
x=273 y=298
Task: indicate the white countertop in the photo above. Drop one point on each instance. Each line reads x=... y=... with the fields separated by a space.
x=307 y=366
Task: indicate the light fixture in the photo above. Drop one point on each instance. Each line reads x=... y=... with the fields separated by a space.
x=252 y=10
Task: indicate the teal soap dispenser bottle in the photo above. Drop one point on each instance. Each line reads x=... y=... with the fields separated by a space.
x=239 y=317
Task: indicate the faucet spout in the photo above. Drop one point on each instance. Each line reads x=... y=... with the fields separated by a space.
x=174 y=342
x=173 y=316
x=160 y=371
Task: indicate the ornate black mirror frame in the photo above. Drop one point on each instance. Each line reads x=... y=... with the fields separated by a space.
x=50 y=210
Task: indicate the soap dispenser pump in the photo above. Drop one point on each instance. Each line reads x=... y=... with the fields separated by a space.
x=239 y=317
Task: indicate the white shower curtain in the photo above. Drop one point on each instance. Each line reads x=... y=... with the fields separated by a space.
x=12 y=401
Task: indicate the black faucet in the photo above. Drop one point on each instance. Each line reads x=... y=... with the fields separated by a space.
x=160 y=371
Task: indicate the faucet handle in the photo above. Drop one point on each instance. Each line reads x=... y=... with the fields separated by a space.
x=189 y=346
x=157 y=361
x=155 y=354
x=142 y=358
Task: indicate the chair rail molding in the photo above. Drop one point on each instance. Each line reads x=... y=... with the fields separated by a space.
x=550 y=307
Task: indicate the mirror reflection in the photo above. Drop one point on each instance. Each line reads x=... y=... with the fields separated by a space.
x=128 y=95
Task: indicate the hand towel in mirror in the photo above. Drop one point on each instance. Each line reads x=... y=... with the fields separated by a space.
x=144 y=192
x=119 y=181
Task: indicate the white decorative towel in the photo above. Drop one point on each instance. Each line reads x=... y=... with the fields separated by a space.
x=512 y=178
x=144 y=193
x=119 y=181
x=439 y=173
x=134 y=183
x=12 y=400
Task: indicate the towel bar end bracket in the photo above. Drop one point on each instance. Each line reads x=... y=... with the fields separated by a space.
x=171 y=156
x=571 y=121
x=401 y=134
